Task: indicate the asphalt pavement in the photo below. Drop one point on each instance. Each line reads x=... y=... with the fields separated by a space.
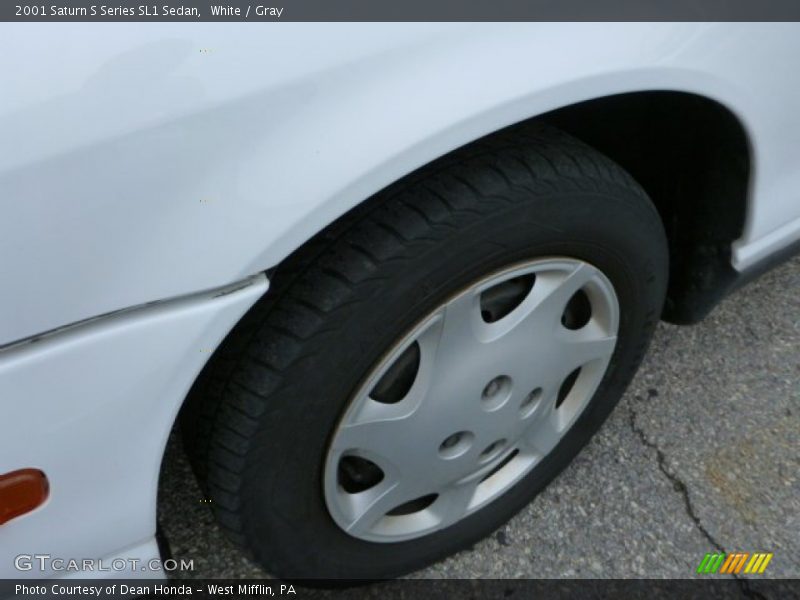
x=701 y=455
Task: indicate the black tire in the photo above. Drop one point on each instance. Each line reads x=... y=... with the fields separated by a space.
x=259 y=420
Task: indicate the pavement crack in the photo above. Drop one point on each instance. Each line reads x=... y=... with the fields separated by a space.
x=680 y=487
x=677 y=483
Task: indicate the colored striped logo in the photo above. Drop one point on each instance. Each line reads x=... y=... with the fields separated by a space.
x=734 y=563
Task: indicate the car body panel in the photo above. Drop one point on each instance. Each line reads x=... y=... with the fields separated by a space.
x=92 y=407
x=151 y=161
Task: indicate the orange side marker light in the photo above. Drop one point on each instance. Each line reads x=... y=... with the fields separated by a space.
x=21 y=491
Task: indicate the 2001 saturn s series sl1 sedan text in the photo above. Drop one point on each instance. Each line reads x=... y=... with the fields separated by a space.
x=388 y=278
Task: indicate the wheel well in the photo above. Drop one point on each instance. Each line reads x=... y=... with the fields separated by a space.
x=692 y=156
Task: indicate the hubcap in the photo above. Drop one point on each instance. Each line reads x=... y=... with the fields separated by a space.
x=471 y=400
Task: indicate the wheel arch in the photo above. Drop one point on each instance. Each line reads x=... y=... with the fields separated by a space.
x=691 y=153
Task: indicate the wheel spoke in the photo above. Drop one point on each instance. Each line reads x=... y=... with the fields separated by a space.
x=461 y=321
x=544 y=433
x=553 y=290
x=380 y=441
x=365 y=509
x=370 y=409
x=537 y=319
x=578 y=348
x=454 y=502
x=371 y=436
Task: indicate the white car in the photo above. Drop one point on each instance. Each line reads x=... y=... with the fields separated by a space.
x=389 y=278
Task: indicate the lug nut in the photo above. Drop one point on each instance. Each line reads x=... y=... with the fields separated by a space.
x=491 y=388
x=496 y=393
x=451 y=441
x=492 y=450
x=456 y=444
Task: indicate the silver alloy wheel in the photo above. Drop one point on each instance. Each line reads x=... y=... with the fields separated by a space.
x=481 y=395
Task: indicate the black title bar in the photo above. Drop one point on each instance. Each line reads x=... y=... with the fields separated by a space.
x=400 y=10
